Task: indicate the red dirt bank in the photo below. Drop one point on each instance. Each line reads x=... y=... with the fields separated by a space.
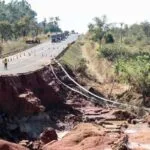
x=28 y=94
x=33 y=102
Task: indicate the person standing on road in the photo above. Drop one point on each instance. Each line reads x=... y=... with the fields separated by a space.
x=5 y=61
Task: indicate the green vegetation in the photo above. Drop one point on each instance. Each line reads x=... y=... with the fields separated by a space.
x=99 y=30
x=136 y=71
x=51 y=26
x=73 y=56
x=1 y=49
x=128 y=48
x=18 y=22
x=17 y=19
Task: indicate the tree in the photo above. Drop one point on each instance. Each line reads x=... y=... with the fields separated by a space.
x=100 y=22
x=20 y=21
x=18 y=15
x=44 y=23
x=5 y=30
x=34 y=28
x=1 y=49
x=146 y=28
x=99 y=28
x=23 y=26
x=136 y=31
x=57 y=19
x=53 y=25
x=125 y=30
x=109 y=38
x=91 y=27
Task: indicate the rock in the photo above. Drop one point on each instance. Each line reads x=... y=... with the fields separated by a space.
x=147 y=120
x=31 y=145
x=48 y=135
x=26 y=94
x=120 y=144
x=30 y=103
x=112 y=126
x=105 y=111
x=5 y=145
x=36 y=145
x=146 y=101
x=24 y=143
x=138 y=136
x=94 y=91
x=135 y=121
x=89 y=137
x=124 y=125
x=123 y=115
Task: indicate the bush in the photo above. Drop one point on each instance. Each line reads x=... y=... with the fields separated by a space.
x=135 y=71
x=147 y=41
x=113 y=51
x=109 y=38
x=81 y=68
x=129 y=41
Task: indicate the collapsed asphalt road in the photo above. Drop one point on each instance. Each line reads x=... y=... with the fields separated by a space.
x=36 y=57
x=35 y=109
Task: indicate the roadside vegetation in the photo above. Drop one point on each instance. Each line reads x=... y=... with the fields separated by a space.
x=117 y=56
x=18 y=23
x=127 y=48
x=14 y=46
x=73 y=56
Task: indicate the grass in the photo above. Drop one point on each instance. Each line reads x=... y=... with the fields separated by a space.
x=130 y=70
x=72 y=56
x=12 y=47
x=99 y=68
x=131 y=64
x=82 y=56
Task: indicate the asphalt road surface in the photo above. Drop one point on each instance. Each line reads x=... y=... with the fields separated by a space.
x=35 y=57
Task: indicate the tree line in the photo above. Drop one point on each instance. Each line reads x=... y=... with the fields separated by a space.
x=17 y=19
x=118 y=32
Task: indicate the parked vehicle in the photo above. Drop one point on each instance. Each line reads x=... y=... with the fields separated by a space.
x=33 y=41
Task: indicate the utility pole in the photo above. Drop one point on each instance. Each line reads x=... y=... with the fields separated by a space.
x=121 y=32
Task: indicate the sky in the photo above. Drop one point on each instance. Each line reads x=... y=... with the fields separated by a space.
x=77 y=14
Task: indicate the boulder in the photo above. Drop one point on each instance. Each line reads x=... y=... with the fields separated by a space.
x=5 y=145
x=48 y=135
x=35 y=145
x=123 y=115
x=89 y=137
x=138 y=136
x=30 y=104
